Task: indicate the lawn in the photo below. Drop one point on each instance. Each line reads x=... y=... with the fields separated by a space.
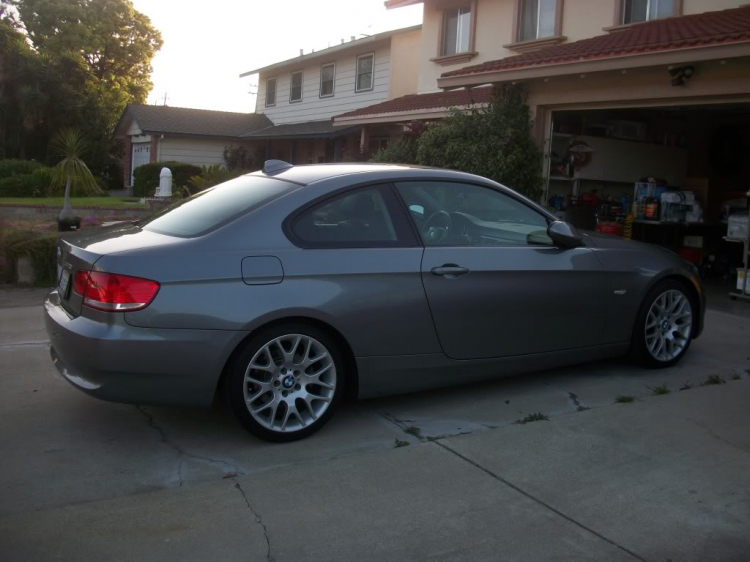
x=118 y=202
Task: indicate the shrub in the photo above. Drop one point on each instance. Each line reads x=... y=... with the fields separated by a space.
x=240 y=158
x=34 y=184
x=494 y=142
x=11 y=167
x=146 y=177
x=41 y=247
x=403 y=151
x=211 y=176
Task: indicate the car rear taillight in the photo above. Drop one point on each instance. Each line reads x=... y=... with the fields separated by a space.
x=112 y=292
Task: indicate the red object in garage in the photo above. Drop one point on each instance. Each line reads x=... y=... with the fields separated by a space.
x=613 y=228
x=693 y=255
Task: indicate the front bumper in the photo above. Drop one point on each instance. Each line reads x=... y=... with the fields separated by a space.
x=109 y=359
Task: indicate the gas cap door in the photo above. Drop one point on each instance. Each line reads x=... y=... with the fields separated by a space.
x=262 y=270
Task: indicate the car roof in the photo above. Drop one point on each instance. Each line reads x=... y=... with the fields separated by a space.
x=317 y=172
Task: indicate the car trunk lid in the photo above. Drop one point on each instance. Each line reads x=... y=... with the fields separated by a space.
x=80 y=252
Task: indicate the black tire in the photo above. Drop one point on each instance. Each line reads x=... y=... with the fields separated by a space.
x=234 y=386
x=639 y=351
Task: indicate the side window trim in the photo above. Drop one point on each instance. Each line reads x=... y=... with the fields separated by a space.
x=402 y=224
x=511 y=195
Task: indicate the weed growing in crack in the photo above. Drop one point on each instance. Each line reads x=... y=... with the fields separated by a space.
x=580 y=408
x=400 y=443
x=624 y=399
x=686 y=386
x=532 y=418
x=713 y=379
x=414 y=430
x=659 y=390
x=736 y=377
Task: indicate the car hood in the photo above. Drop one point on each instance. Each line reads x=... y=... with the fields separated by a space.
x=609 y=242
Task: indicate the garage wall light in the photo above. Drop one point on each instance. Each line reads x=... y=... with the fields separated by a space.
x=680 y=75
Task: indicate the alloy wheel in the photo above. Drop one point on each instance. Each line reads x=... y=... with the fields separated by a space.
x=289 y=383
x=668 y=325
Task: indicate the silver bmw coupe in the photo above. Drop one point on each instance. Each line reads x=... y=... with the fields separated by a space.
x=287 y=289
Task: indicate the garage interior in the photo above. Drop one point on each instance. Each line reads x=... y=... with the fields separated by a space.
x=677 y=176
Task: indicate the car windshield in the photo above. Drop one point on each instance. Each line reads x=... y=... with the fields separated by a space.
x=216 y=206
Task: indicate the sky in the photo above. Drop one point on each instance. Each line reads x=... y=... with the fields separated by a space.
x=208 y=44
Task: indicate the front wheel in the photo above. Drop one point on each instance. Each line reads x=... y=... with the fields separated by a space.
x=286 y=382
x=664 y=326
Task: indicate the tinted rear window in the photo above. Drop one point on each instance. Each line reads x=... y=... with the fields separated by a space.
x=217 y=206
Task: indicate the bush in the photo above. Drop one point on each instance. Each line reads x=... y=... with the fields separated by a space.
x=211 y=176
x=240 y=158
x=41 y=247
x=10 y=167
x=403 y=151
x=35 y=184
x=494 y=142
x=146 y=177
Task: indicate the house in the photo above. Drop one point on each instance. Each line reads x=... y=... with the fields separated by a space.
x=646 y=88
x=195 y=136
x=302 y=95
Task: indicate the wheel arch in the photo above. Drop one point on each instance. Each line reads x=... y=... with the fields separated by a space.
x=351 y=385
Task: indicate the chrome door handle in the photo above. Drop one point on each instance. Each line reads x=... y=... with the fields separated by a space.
x=450 y=270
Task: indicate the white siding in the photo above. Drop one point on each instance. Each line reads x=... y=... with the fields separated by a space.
x=200 y=152
x=314 y=108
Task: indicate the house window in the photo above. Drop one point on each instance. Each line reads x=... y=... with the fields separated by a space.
x=327 y=78
x=634 y=11
x=456 y=31
x=270 y=92
x=365 y=72
x=377 y=143
x=538 y=18
x=295 y=88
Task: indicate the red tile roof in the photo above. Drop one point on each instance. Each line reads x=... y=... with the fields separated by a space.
x=698 y=30
x=416 y=102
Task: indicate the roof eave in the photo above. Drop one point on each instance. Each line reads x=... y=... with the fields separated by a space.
x=621 y=62
x=403 y=116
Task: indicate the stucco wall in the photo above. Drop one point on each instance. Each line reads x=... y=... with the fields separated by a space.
x=494 y=28
x=405 y=53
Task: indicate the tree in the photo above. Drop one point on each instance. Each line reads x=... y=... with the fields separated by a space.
x=113 y=39
x=71 y=64
x=71 y=170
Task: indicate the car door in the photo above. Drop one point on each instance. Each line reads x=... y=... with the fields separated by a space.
x=495 y=283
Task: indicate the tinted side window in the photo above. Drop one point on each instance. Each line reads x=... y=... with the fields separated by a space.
x=359 y=218
x=462 y=214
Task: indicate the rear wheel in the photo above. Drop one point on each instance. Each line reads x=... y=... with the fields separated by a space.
x=664 y=326
x=286 y=382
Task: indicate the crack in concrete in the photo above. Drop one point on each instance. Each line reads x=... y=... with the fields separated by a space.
x=539 y=501
x=258 y=520
x=573 y=397
x=183 y=455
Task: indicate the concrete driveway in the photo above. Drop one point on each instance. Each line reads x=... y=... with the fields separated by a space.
x=444 y=475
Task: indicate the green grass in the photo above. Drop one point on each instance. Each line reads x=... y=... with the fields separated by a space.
x=119 y=202
x=659 y=390
x=712 y=380
x=532 y=418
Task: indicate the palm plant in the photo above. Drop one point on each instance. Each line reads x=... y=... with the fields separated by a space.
x=71 y=146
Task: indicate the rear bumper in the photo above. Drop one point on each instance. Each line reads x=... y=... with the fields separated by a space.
x=114 y=361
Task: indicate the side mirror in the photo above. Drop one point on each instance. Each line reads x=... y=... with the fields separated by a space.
x=564 y=235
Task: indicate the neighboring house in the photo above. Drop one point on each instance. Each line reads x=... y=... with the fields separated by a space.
x=672 y=75
x=195 y=136
x=301 y=95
